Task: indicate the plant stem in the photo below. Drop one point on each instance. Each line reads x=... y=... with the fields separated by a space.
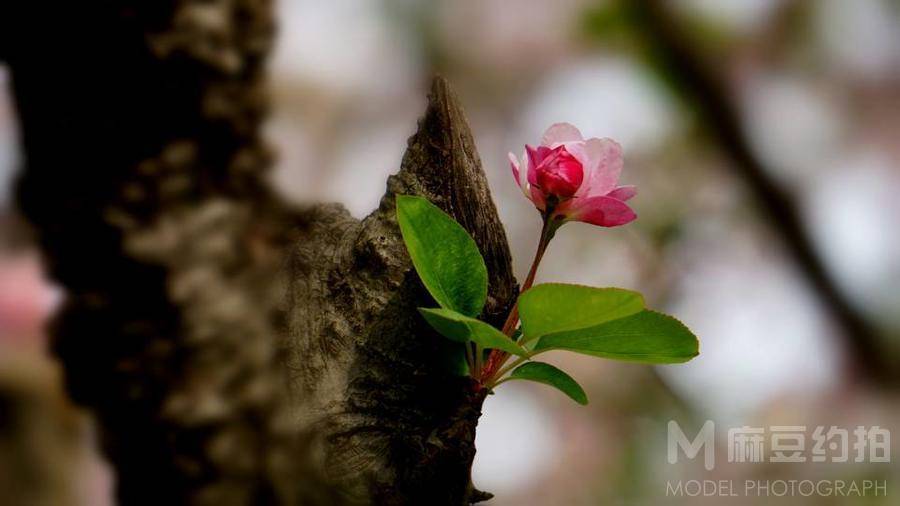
x=547 y=232
x=504 y=380
x=479 y=356
x=510 y=367
x=497 y=357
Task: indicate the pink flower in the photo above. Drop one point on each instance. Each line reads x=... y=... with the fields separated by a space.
x=575 y=179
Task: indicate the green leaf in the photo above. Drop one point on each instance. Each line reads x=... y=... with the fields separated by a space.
x=444 y=255
x=556 y=307
x=648 y=337
x=448 y=322
x=549 y=375
x=452 y=357
x=459 y=327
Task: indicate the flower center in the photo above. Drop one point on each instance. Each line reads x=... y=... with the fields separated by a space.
x=559 y=173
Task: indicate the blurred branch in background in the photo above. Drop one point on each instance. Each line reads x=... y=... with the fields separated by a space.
x=664 y=44
x=45 y=453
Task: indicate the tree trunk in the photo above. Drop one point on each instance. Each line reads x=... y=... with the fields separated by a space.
x=145 y=181
x=364 y=366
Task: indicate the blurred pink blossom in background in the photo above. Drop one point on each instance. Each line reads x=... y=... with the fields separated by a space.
x=26 y=300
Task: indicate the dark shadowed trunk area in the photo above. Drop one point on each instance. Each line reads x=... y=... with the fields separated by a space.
x=233 y=349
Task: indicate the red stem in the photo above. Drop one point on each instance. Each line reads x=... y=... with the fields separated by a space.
x=497 y=358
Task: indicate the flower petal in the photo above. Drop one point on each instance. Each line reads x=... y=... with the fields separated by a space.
x=536 y=155
x=523 y=170
x=602 y=211
x=518 y=175
x=623 y=193
x=537 y=196
x=514 y=165
x=559 y=133
x=602 y=168
x=560 y=173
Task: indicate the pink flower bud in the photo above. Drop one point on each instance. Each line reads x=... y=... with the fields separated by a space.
x=556 y=172
x=575 y=179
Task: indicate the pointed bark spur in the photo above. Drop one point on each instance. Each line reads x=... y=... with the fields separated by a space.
x=365 y=371
x=145 y=182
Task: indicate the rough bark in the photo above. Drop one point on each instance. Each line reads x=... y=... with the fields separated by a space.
x=144 y=181
x=394 y=425
x=145 y=184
